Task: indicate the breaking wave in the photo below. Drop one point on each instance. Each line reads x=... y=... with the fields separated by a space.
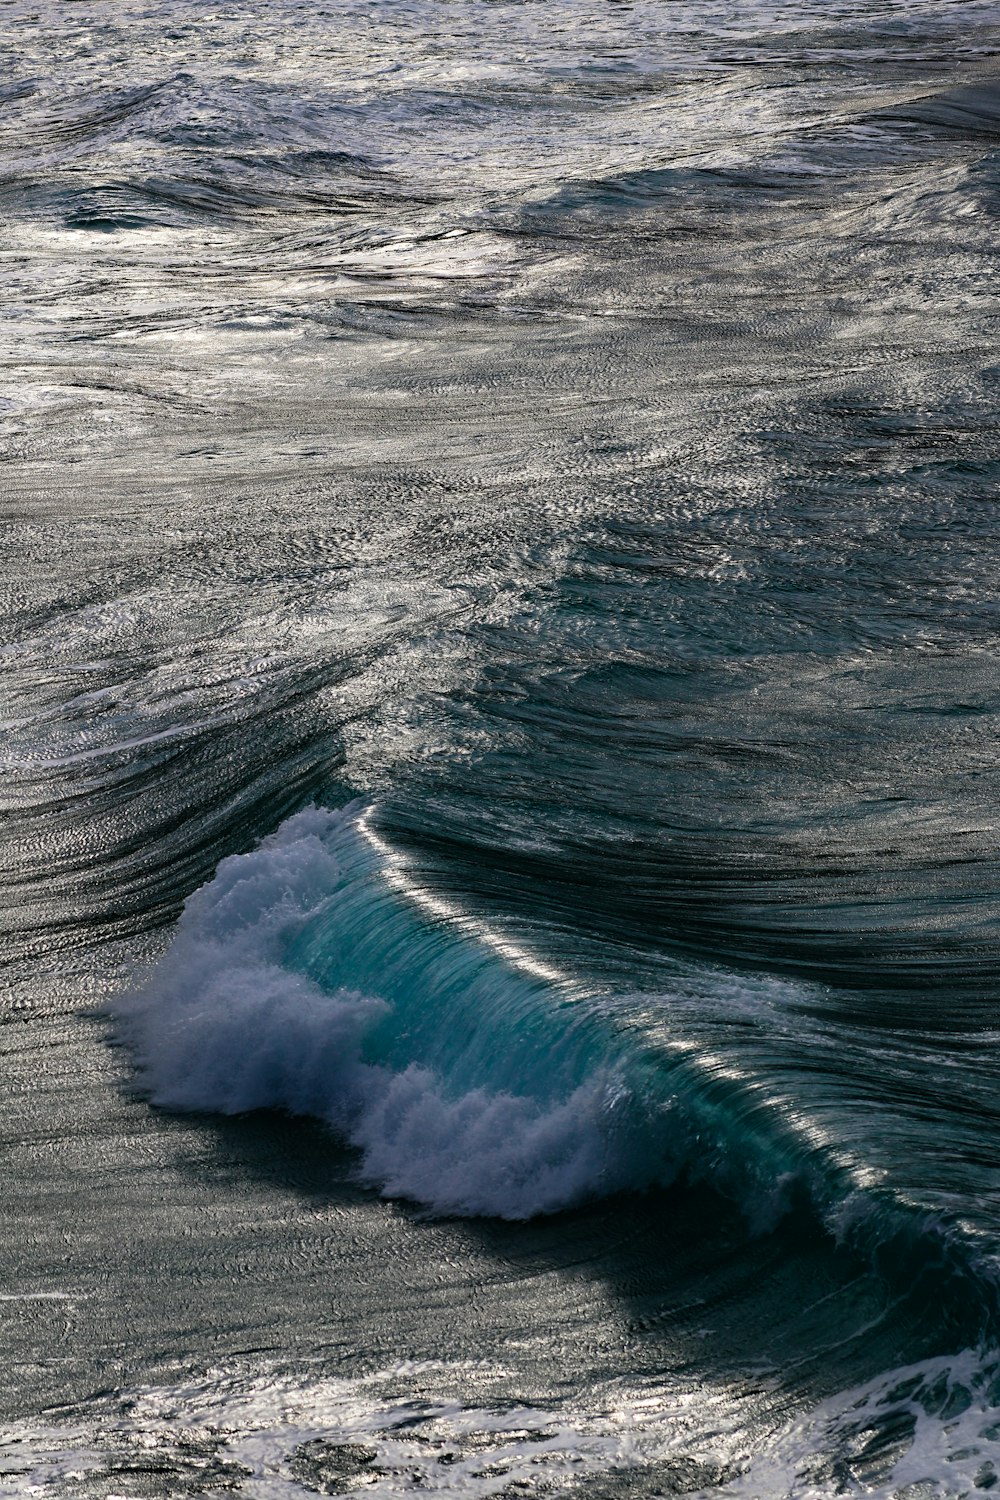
x=298 y=980
x=313 y=975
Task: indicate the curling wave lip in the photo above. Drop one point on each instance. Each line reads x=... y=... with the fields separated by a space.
x=398 y=876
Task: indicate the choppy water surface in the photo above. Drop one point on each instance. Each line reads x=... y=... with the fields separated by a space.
x=500 y=703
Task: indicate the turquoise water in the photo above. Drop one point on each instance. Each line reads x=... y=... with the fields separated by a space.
x=499 y=711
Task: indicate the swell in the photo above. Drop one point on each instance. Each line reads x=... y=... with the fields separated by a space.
x=192 y=794
x=970 y=110
x=316 y=976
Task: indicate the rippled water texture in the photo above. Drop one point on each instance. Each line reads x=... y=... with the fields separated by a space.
x=499 y=702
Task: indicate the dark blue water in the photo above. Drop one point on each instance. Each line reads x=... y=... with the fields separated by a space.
x=500 y=702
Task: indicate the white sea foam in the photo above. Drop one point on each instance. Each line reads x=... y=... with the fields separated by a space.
x=930 y=1431
x=224 y=1024
x=393 y=1432
x=922 y=1432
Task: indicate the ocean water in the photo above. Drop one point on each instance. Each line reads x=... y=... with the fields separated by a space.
x=500 y=697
